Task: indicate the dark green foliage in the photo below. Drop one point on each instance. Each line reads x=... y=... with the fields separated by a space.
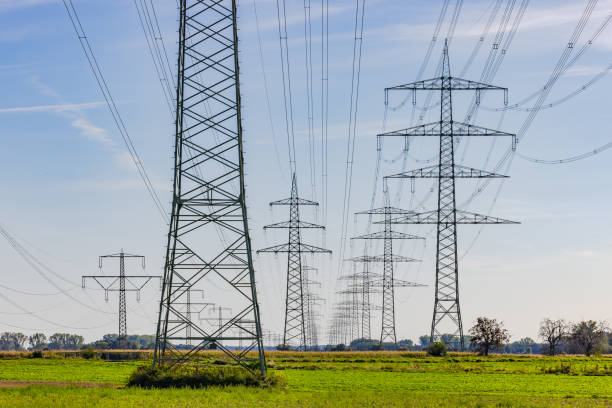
x=65 y=341
x=190 y=377
x=88 y=353
x=283 y=347
x=37 y=354
x=365 y=344
x=12 y=341
x=488 y=334
x=437 y=349
x=38 y=341
x=589 y=337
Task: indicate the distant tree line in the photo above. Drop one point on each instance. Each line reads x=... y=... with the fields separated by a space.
x=39 y=341
x=488 y=335
x=64 y=341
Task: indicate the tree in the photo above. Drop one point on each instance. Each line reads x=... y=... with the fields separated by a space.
x=65 y=341
x=437 y=348
x=37 y=341
x=12 y=341
x=487 y=334
x=554 y=333
x=424 y=340
x=588 y=336
x=526 y=345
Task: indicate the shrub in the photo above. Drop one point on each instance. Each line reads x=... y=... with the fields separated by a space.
x=36 y=354
x=193 y=377
x=437 y=349
x=88 y=353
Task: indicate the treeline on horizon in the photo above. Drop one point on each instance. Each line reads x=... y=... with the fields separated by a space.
x=558 y=337
x=10 y=341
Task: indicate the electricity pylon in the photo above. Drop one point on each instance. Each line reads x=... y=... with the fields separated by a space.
x=209 y=247
x=363 y=281
x=295 y=330
x=388 y=282
x=446 y=217
x=312 y=301
x=108 y=283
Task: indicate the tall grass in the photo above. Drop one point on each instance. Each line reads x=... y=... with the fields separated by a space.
x=198 y=377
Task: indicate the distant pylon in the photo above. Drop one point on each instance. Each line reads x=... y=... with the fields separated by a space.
x=446 y=217
x=388 y=329
x=294 y=333
x=209 y=247
x=108 y=284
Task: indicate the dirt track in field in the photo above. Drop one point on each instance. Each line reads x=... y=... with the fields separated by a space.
x=15 y=384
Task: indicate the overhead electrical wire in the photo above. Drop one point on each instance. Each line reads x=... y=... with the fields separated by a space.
x=28 y=312
x=117 y=118
x=41 y=269
x=310 y=97
x=157 y=49
x=352 y=126
x=267 y=90
x=559 y=68
x=324 y=104
x=286 y=73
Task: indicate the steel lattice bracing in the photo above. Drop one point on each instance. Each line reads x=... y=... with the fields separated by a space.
x=295 y=333
x=312 y=301
x=108 y=283
x=446 y=217
x=388 y=328
x=209 y=247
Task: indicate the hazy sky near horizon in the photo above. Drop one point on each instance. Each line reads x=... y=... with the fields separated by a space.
x=71 y=193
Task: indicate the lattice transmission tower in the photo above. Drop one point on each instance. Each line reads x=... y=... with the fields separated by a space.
x=389 y=283
x=363 y=282
x=294 y=333
x=209 y=247
x=447 y=216
x=121 y=283
x=313 y=301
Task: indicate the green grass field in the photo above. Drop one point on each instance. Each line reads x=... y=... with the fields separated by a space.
x=331 y=380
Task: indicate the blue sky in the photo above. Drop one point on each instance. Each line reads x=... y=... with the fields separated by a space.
x=71 y=192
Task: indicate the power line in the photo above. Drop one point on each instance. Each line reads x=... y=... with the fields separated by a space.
x=38 y=266
x=310 y=96
x=287 y=94
x=103 y=86
x=350 y=146
x=266 y=89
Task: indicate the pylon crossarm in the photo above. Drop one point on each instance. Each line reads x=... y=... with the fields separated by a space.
x=289 y=224
x=390 y=235
x=294 y=201
x=459 y=129
x=303 y=248
x=385 y=210
x=438 y=84
x=462 y=217
x=406 y=284
x=434 y=172
x=381 y=258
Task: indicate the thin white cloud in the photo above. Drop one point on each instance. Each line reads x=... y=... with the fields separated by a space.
x=66 y=107
x=6 y=5
x=90 y=131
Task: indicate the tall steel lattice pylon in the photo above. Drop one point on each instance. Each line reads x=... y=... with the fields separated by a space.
x=295 y=325
x=388 y=332
x=209 y=247
x=108 y=283
x=447 y=216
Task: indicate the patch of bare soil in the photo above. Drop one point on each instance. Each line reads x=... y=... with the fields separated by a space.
x=14 y=384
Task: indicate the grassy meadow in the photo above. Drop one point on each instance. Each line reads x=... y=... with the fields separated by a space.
x=349 y=379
